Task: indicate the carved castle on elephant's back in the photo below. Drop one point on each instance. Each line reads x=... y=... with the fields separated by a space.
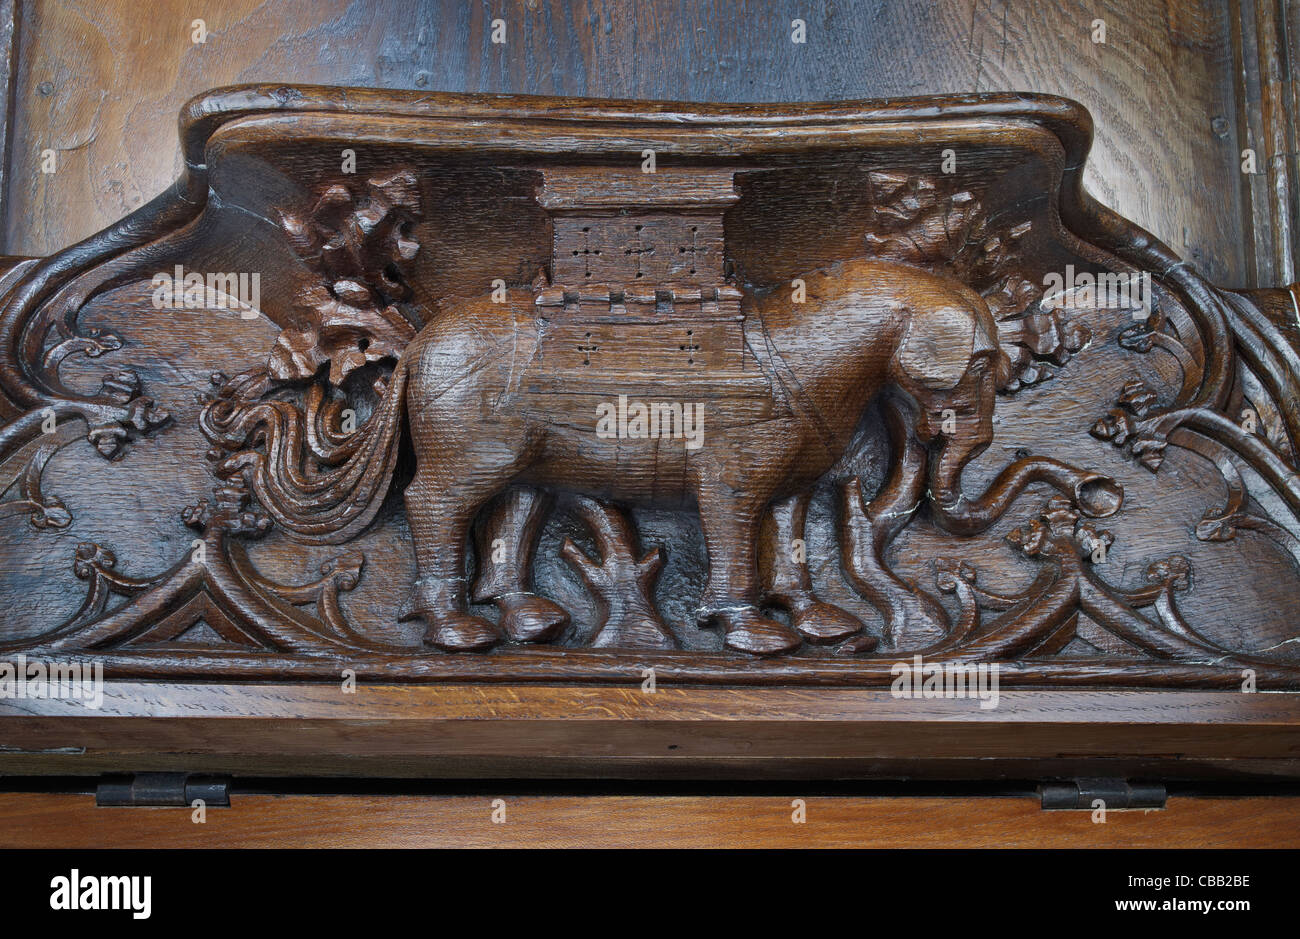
x=639 y=290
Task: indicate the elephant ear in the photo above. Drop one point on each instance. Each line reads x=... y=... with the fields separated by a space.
x=938 y=347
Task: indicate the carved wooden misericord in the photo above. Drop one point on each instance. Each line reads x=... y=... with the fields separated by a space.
x=560 y=390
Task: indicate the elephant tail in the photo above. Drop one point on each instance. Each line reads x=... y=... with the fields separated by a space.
x=318 y=479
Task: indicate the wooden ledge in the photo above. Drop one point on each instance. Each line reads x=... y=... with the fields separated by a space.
x=73 y=821
x=537 y=730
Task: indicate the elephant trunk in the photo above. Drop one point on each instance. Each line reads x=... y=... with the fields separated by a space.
x=1094 y=494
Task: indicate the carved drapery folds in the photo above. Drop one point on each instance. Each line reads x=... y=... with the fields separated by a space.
x=855 y=494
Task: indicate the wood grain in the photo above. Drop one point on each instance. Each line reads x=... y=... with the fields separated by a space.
x=9 y=11
x=403 y=253
x=72 y=821
x=100 y=82
x=676 y=732
x=1264 y=43
x=914 y=340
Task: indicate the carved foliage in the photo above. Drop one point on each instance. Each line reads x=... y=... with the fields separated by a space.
x=357 y=245
x=934 y=223
x=622 y=581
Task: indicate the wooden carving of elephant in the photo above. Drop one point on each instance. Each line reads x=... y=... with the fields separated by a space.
x=859 y=329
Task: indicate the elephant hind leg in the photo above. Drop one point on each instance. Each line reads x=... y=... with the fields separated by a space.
x=507 y=541
x=783 y=567
x=457 y=473
x=439 y=519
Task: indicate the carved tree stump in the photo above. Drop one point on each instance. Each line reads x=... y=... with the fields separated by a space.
x=621 y=584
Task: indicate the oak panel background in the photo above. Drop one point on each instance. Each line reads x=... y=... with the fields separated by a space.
x=101 y=82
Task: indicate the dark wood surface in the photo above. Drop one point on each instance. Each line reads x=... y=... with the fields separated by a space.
x=1066 y=526
x=9 y=11
x=676 y=733
x=1196 y=580
x=101 y=84
x=1266 y=51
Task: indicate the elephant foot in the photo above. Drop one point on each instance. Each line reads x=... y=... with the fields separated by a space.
x=460 y=632
x=526 y=617
x=824 y=623
x=747 y=630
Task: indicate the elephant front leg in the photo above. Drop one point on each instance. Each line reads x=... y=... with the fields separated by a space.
x=439 y=517
x=783 y=567
x=507 y=540
x=731 y=597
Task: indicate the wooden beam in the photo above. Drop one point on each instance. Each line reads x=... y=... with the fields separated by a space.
x=73 y=821
x=495 y=729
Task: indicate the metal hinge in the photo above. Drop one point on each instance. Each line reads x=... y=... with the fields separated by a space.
x=163 y=789
x=1111 y=793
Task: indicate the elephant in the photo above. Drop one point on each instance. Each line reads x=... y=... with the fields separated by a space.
x=862 y=328
x=922 y=343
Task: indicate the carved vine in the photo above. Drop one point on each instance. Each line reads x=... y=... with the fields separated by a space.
x=43 y=511
x=622 y=581
x=214 y=584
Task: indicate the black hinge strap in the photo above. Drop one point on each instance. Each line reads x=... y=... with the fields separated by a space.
x=163 y=789
x=1112 y=793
